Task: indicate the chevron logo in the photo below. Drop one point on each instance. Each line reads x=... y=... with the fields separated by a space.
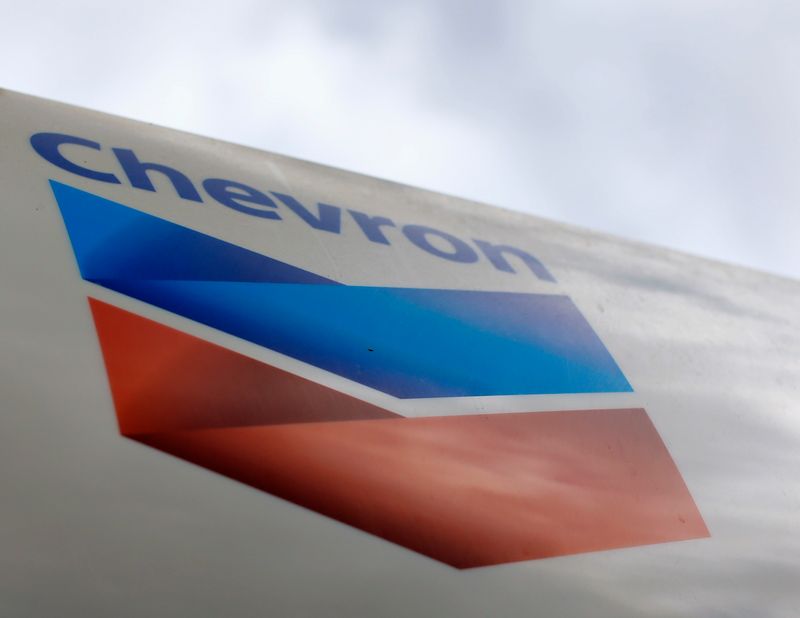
x=468 y=491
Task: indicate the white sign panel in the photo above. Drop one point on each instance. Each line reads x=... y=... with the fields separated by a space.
x=239 y=384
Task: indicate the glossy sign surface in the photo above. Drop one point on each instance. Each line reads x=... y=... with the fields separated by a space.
x=98 y=524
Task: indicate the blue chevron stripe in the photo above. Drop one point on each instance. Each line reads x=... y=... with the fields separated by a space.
x=408 y=342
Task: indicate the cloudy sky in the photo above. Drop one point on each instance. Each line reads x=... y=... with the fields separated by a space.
x=668 y=121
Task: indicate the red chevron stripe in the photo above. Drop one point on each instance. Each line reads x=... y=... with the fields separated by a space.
x=466 y=490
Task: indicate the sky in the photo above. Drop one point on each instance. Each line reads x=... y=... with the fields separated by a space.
x=668 y=121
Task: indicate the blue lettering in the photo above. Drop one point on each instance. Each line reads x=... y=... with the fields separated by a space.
x=136 y=171
x=231 y=194
x=496 y=255
x=371 y=226
x=246 y=199
x=329 y=218
x=47 y=146
x=462 y=252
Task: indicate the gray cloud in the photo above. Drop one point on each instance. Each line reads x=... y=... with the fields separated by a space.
x=670 y=122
